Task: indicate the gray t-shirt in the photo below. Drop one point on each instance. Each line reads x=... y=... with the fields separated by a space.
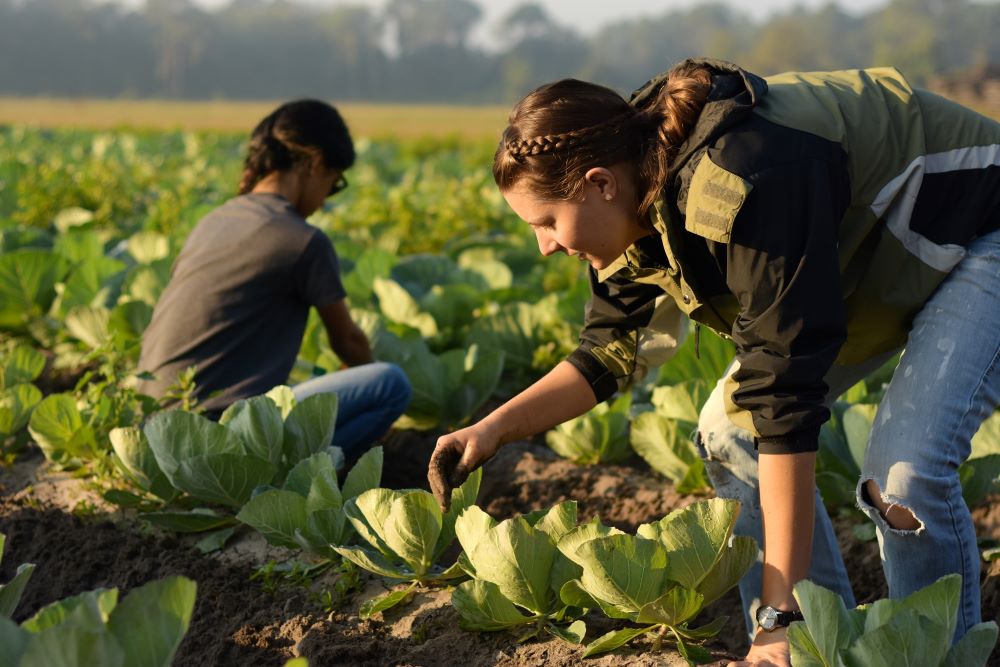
x=238 y=299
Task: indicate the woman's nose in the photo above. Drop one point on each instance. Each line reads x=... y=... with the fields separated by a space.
x=546 y=244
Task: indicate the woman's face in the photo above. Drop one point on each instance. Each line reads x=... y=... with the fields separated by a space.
x=316 y=184
x=597 y=227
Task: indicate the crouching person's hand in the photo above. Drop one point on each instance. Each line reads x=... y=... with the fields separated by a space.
x=456 y=456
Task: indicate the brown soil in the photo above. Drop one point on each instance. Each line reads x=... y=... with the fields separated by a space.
x=240 y=622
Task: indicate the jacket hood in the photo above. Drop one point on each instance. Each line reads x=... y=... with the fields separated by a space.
x=735 y=92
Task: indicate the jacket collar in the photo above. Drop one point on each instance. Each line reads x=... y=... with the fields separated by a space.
x=735 y=92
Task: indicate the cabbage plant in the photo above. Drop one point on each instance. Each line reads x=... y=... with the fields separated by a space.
x=18 y=396
x=662 y=437
x=308 y=510
x=518 y=569
x=599 y=436
x=10 y=593
x=916 y=630
x=94 y=628
x=663 y=576
x=256 y=441
x=405 y=534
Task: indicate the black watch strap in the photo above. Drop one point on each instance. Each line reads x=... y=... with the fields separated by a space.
x=770 y=618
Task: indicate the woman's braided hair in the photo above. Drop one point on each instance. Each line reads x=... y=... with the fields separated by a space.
x=294 y=132
x=561 y=130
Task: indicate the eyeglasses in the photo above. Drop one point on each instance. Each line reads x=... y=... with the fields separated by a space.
x=337 y=186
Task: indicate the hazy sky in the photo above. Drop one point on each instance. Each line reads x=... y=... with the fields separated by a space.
x=588 y=15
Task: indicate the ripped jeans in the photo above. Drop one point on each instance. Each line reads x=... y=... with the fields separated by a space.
x=946 y=384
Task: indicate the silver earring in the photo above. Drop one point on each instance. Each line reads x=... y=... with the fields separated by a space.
x=607 y=197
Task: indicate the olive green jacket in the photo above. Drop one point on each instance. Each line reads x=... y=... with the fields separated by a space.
x=809 y=216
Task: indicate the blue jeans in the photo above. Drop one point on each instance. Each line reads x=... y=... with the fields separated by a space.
x=946 y=384
x=370 y=398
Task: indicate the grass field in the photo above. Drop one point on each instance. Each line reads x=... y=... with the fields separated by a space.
x=364 y=120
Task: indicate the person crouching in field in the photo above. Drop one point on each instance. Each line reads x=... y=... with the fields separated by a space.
x=822 y=220
x=240 y=291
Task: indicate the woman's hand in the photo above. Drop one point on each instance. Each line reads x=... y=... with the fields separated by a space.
x=769 y=649
x=456 y=456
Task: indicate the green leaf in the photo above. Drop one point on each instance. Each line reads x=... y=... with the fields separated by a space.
x=150 y=622
x=146 y=247
x=16 y=405
x=484 y=608
x=614 y=639
x=226 y=479
x=973 y=650
x=365 y=474
x=857 y=422
x=129 y=319
x=624 y=571
x=674 y=607
x=89 y=610
x=518 y=559
x=601 y=435
x=573 y=633
x=695 y=537
x=324 y=530
x=215 y=540
x=284 y=398
x=572 y=595
x=908 y=640
x=257 y=421
x=137 y=458
x=309 y=427
x=27 y=286
x=373 y=561
x=804 y=652
x=558 y=520
x=22 y=364
x=13 y=642
x=176 y=436
x=383 y=603
x=480 y=373
x=368 y=513
x=593 y=529
x=315 y=479
x=89 y=324
x=73 y=646
x=831 y=627
x=397 y=305
x=412 y=529
x=471 y=526
x=276 y=515
x=708 y=363
x=668 y=450
x=195 y=521
x=683 y=401
x=729 y=569
x=10 y=593
x=58 y=428
x=461 y=498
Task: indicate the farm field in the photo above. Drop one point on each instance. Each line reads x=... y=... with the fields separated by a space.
x=448 y=284
x=365 y=120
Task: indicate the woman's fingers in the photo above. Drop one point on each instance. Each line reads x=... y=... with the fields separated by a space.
x=441 y=471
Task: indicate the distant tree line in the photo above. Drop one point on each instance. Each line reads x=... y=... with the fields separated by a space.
x=420 y=50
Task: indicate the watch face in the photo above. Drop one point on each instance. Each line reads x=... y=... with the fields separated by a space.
x=767 y=617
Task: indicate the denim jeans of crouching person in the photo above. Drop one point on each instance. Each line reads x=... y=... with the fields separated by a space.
x=370 y=398
x=946 y=384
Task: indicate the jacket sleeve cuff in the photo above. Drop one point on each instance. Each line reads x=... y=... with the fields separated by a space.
x=601 y=380
x=796 y=443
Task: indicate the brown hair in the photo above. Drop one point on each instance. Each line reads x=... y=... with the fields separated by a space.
x=562 y=129
x=293 y=132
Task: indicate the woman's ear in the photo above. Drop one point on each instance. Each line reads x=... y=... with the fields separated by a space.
x=601 y=182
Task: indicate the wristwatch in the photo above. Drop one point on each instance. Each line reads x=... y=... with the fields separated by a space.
x=769 y=618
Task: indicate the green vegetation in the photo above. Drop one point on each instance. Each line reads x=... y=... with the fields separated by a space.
x=916 y=630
